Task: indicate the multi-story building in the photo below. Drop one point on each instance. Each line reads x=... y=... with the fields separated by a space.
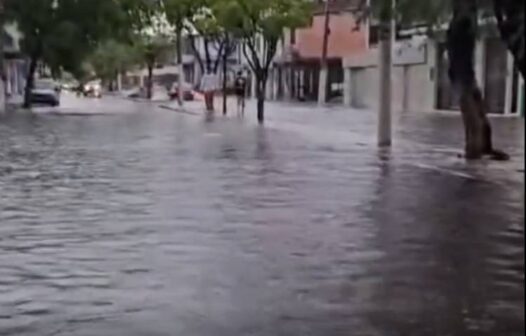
x=420 y=80
x=420 y=74
x=297 y=67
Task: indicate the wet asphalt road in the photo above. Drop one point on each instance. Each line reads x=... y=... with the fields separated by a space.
x=150 y=222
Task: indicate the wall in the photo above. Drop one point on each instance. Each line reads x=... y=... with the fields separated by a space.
x=413 y=85
x=343 y=40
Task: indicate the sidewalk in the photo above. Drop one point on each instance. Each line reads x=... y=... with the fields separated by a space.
x=13 y=102
x=432 y=141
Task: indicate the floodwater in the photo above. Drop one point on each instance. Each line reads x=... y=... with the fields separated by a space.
x=158 y=223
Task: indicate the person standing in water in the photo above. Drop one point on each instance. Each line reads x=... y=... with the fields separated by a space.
x=209 y=87
x=240 y=86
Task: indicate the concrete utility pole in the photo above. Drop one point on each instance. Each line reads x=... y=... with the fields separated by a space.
x=324 y=64
x=385 y=47
x=2 y=57
x=180 y=67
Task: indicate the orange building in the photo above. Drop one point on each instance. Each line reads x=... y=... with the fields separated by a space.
x=300 y=63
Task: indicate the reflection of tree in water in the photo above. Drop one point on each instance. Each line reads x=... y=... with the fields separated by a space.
x=263 y=151
x=439 y=238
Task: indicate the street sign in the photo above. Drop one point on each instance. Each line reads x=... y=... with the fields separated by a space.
x=410 y=52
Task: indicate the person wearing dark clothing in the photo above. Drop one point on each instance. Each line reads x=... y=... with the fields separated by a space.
x=240 y=87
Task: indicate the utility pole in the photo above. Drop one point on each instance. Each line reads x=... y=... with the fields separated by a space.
x=2 y=58
x=180 y=66
x=324 y=64
x=385 y=63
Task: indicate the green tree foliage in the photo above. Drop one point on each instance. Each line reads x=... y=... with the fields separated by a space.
x=260 y=25
x=463 y=17
x=112 y=58
x=204 y=17
x=151 y=50
x=61 y=33
x=197 y=16
x=436 y=14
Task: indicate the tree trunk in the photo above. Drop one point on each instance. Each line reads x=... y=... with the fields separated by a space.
x=461 y=51
x=225 y=58
x=208 y=59
x=219 y=58
x=261 y=83
x=510 y=21
x=149 y=82
x=180 y=67
x=30 y=81
x=324 y=65
x=196 y=53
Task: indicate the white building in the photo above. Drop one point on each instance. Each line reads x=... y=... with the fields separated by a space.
x=420 y=77
x=15 y=64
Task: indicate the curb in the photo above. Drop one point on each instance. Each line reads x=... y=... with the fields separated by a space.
x=179 y=110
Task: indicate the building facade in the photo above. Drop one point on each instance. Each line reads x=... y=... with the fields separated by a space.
x=15 y=63
x=420 y=77
x=420 y=66
x=296 y=69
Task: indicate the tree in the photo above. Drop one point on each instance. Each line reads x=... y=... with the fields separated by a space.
x=179 y=13
x=151 y=50
x=207 y=25
x=510 y=21
x=464 y=17
x=205 y=18
x=111 y=59
x=260 y=24
x=230 y=45
x=61 y=33
x=226 y=38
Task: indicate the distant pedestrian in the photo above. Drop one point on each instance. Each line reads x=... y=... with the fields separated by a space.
x=240 y=86
x=209 y=85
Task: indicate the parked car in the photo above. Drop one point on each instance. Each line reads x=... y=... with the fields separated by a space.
x=135 y=92
x=188 y=91
x=92 y=89
x=69 y=86
x=45 y=92
x=158 y=92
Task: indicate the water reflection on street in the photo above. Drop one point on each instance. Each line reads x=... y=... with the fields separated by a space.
x=158 y=223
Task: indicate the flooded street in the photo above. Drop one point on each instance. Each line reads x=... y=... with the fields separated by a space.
x=158 y=223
